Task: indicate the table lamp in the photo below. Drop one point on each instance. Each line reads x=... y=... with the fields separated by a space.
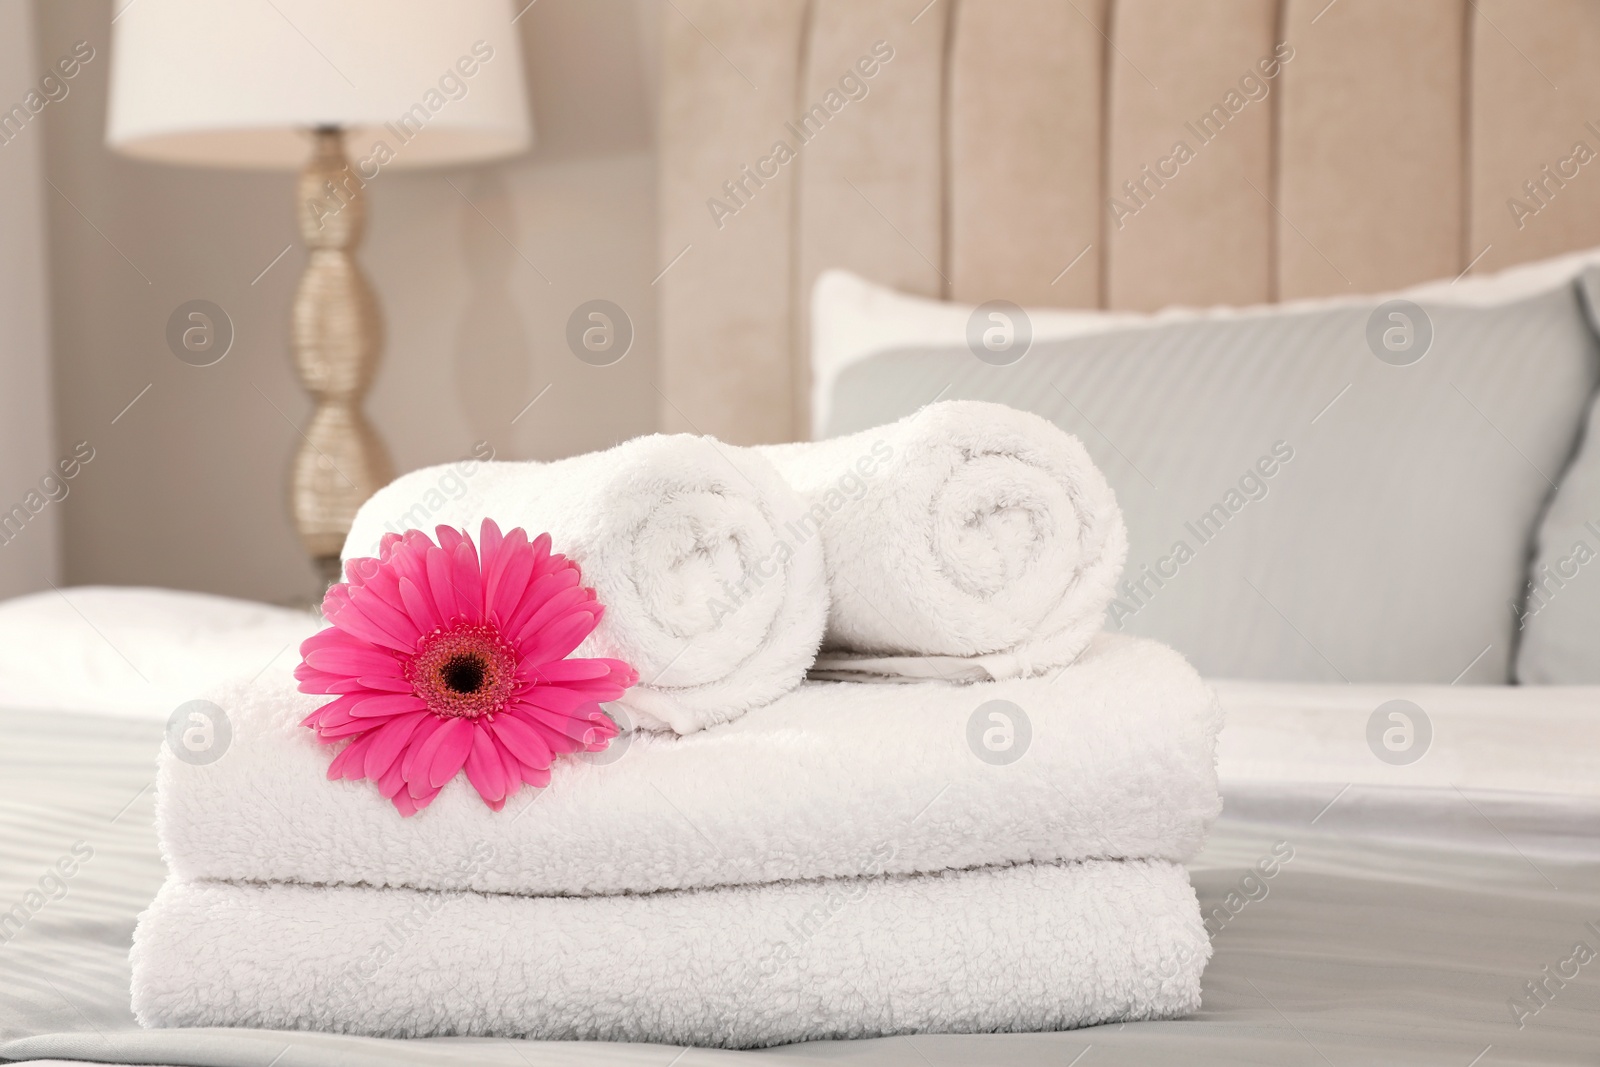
x=344 y=90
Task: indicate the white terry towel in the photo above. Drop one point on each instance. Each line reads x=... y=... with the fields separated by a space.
x=1011 y=949
x=966 y=541
x=1115 y=758
x=683 y=538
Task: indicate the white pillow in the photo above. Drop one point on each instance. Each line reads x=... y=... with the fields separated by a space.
x=135 y=652
x=853 y=318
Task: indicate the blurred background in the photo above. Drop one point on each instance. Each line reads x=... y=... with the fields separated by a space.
x=947 y=154
x=477 y=270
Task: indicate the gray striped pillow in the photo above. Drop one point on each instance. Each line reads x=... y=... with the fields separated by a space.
x=1559 y=620
x=1298 y=507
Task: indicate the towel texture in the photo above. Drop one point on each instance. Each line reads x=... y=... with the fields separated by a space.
x=685 y=541
x=1016 y=949
x=1115 y=758
x=967 y=541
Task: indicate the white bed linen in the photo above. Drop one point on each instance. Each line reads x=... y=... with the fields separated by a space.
x=1537 y=739
x=136 y=652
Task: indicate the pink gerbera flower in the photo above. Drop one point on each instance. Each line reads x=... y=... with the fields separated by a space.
x=445 y=658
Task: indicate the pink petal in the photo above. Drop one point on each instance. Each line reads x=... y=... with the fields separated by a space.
x=439 y=583
x=484 y=769
x=352 y=660
x=542 y=589
x=522 y=741
x=566 y=602
x=411 y=765
x=576 y=670
x=550 y=727
x=489 y=539
x=349 y=728
x=572 y=725
x=335 y=712
x=512 y=765
x=507 y=578
x=336 y=595
x=559 y=639
x=605 y=728
x=609 y=686
x=410 y=561
x=327 y=637
x=338 y=684
x=385 y=683
x=554 y=698
x=351 y=619
x=383 y=705
x=391 y=619
x=348 y=764
x=388 y=741
x=541 y=550
x=359 y=569
x=468 y=582
x=384 y=585
x=449 y=537
x=408 y=805
x=393 y=782
x=419 y=606
x=312 y=680
x=450 y=746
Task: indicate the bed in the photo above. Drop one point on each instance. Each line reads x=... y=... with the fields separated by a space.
x=1407 y=868
x=1360 y=911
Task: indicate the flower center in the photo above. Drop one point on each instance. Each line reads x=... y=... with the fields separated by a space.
x=464 y=672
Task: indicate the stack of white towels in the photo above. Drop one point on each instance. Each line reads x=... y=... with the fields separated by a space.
x=995 y=844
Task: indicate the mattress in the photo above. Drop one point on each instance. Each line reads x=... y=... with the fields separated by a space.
x=1360 y=910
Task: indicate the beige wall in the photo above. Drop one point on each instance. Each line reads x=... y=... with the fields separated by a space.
x=29 y=478
x=187 y=487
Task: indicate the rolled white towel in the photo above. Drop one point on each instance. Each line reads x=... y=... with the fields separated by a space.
x=966 y=541
x=1116 y=758
x=683 y=540
x=1032 y=947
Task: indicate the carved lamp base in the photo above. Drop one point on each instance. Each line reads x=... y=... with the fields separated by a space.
x=336 y=337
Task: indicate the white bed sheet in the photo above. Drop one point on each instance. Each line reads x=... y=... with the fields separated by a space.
x=136 y=652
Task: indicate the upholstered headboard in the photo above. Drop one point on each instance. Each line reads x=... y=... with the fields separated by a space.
x=1030 y=150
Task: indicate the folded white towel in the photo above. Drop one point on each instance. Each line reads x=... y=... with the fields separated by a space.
x=969 y=540
x=1113 y=758
x=1013 y=949
x=683 y=538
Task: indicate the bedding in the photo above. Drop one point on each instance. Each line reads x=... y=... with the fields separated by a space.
x=1302 y=503
x=134 y=651
x=1359 y=922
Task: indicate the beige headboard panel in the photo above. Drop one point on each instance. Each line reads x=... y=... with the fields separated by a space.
x=1393 y=143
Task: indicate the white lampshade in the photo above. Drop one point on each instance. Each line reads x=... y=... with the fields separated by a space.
x=237 y=83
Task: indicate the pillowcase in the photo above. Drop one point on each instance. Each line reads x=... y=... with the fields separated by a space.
x=853 y=318
x=1341 y=490
x=1559 y=617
